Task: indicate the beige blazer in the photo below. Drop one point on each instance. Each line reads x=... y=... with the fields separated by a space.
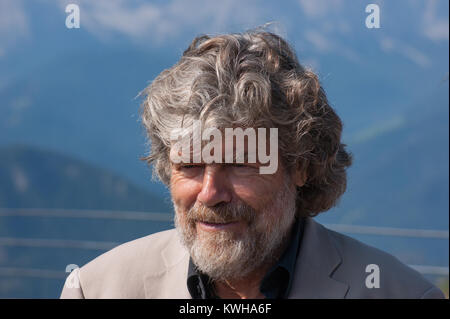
x=329 y=265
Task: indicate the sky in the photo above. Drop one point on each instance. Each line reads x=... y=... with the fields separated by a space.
x=373 y=77
x=326 y=25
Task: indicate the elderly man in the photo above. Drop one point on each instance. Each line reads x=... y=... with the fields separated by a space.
x=244 y=226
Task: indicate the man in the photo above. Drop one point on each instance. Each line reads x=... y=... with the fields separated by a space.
x=244 y=230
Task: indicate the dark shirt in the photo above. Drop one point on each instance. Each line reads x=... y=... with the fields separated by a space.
x=276 y=283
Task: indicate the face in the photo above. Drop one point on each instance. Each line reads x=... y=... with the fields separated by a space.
x=231 y=218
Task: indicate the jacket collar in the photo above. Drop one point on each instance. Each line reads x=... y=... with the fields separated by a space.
x=170 y=281
x=316 y=262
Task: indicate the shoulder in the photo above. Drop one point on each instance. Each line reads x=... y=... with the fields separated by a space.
x=150 y=244
x=119 y=272
x=364 y=266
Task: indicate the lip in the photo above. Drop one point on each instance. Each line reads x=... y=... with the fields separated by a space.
x=215 y=227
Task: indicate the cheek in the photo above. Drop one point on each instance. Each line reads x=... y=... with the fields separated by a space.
x=257 y=192
x=184 y=192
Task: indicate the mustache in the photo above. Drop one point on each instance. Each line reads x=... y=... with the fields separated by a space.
x=221 y=213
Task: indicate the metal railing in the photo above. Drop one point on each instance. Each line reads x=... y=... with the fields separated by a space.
x=166 y=217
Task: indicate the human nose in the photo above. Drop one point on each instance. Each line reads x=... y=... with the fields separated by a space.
x=215 y=188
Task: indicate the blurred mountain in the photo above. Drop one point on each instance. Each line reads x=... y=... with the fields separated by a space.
x=72 y=104
x=35 y=178
x=400 y=173
x=74 y=90
x=400 y=178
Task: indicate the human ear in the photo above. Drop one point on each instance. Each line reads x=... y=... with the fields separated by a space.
x=300 y=175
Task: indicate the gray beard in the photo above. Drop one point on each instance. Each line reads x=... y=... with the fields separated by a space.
x=222 y=256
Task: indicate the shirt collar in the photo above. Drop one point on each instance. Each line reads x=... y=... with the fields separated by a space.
x=275 y=284
x=199 y=284
x=278 y=280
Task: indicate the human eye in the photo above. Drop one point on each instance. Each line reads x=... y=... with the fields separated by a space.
x=189 y=166
x=243 y=168
x=190 y=169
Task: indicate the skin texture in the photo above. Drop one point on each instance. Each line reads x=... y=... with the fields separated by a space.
x=215 y=184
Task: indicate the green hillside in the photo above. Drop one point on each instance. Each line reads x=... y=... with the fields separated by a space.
x=34 y=178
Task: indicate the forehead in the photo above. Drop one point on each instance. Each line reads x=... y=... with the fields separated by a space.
x=227 y=145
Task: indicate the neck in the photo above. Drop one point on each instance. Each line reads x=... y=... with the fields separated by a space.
x=243 y=288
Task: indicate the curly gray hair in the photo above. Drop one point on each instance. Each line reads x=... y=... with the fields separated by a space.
x=252 y=79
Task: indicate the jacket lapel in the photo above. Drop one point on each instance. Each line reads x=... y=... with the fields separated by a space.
x=317 y=260
x=171 y=281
